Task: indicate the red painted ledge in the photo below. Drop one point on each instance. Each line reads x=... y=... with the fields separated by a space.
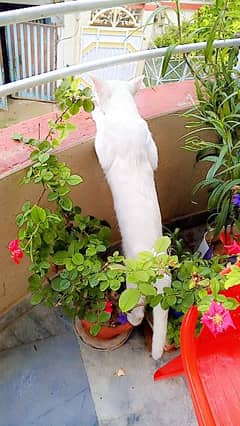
x=161 y=100
x=169 y=4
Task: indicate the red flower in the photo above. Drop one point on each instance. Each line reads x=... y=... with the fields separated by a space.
x=225 y=238
x=13 y=245
x=16 y=251
x=108 y=307
x=233 y=248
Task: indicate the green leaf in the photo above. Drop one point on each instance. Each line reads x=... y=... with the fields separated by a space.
x=36 y=298
x=60 y=258
x=138 y=276
x=209 y=47
x=215 y=286
x=91 y=316
x=156 y=300
x=26 y=206
x=52 y=196
x=87 y=91
x=147 y=289
x=46 y=175
x=63 y=191
x=172 y=300
x=104 y=285
x=94 y=330
x=38 y=214
x=44 y=146
x=66 y=203
x=129 y=299
x=74 y=180
x=104 y=316
x=74 y=109
x=20 y=220
x=78 y=259
x=59 y=284
x=34 y=155
x=233 y=278
x=34 y=282
x=231 y=303
x=43 y=157
x=88 y=105
x=166 y=59
x=91 y=251
x=162 y=244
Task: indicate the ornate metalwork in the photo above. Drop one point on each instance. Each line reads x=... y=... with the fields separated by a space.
x=116 y=17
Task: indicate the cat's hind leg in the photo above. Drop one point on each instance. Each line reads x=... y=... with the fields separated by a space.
x=160 y=319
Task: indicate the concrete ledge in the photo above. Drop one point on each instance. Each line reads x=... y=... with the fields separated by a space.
x=165 y=99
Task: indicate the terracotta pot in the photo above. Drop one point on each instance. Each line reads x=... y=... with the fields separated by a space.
x=107 y=332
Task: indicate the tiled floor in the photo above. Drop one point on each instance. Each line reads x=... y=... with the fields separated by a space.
x=42 y=378
x=46 y=381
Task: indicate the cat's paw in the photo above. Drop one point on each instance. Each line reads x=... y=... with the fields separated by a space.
x=136 y=316
x=157 y=352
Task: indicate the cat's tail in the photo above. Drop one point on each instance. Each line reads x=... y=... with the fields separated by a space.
x=160 y=319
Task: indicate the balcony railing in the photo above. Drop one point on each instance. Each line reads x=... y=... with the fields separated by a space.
x=39 y=12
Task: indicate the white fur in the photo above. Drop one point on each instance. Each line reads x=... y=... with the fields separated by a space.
x=128 y=156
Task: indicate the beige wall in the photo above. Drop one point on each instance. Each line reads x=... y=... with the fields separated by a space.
x=175 y=178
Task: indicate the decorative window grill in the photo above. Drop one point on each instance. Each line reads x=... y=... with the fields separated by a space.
x=116 y=17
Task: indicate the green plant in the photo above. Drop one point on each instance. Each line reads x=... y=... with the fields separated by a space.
x=216 y=111
x=200 y=26
x=195 y=281
x=58 y=238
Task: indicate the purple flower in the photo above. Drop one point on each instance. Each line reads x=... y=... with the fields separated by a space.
x=122 y=318
x=236 y=200
x=209 y=254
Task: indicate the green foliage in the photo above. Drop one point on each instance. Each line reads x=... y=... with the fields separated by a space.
x=217 y=110
x=200 y=26
x=218 y=106
x=60 y=235
x=171 y=36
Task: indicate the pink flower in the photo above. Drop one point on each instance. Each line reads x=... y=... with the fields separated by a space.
x=108 y=307
x=233 y=248
x=16 y=251
x=217 y=318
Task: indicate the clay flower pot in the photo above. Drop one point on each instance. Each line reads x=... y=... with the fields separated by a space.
x=107 y=332
x=108 y=339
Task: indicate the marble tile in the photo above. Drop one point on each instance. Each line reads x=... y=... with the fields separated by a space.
x=134 y=399
x=45 y=384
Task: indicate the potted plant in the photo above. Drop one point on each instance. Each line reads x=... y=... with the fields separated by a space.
x=196 y=281
x=67 y=251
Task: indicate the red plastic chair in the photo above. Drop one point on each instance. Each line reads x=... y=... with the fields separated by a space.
x=211 y=366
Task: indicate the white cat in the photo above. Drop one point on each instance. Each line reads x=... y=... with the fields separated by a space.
x=128 y=156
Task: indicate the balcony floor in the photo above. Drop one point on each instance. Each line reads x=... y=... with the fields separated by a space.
x=45 y=380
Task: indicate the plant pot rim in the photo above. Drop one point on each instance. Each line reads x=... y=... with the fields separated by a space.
x=99 y=344
x=107 y=332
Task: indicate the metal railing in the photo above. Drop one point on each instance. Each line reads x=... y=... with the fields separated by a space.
x=45 y=11
x=37 y=12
